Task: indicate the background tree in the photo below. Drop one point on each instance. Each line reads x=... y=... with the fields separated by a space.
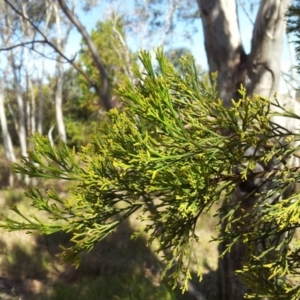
x=61 y=41
x=104 y=91
x=258 y=70
x=36 y=27
x=175 y=54
x=118 y=60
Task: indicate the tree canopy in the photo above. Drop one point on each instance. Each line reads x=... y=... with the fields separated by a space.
x=110 y=40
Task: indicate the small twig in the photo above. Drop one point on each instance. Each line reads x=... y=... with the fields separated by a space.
x=21 y=45
x=245 y=11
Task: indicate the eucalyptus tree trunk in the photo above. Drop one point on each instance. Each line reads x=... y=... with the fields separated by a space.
x=59 y=83
x=21 y=106
x=61 y=39
x=8 y=146
x=42 y=73
x=15 y=67
x=258 y=71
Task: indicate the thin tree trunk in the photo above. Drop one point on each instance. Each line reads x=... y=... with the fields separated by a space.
x=32 y=102
x=8 y=146
x=40 y=117
x=21 y=108
x=60 y=74
x=42 y=74
x=58 y=103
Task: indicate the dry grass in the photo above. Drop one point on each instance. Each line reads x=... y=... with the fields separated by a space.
x=117 y=268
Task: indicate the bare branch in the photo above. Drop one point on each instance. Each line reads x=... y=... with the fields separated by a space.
x=242 y=4
x=169 y=21
x=22 y=45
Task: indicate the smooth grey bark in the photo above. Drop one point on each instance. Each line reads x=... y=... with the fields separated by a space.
x=224 y=49
x=21 y=107
x=41 y=99
x=9 y=150
x=60 y=76
x=8 y=146
x=259 y=71
x=58 y=103
x=263 y=64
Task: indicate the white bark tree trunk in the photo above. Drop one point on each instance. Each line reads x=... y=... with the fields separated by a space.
x=58 y=102
x=224 y=49
x=40 y=117
x=259 y=71
x=42 y=73
x=21 y=107
x=60 y=81
x=8 y=146
x=9 y=150
x=32 y=108
x=264 y=60
x=60 y=42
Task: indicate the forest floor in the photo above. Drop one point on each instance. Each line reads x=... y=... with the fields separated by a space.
x=117 y=268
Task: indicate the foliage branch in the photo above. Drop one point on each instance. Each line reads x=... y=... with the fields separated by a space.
x=166 y=156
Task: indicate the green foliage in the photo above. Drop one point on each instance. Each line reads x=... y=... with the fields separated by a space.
x=293 y=25
x=79 y=131
x=81 y=107
x=174 y=55
x=80 y=120
x=166 y=156
x=110 y=40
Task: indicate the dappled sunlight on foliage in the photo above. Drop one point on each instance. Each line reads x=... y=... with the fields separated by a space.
x=110 y=39
x=166 y=155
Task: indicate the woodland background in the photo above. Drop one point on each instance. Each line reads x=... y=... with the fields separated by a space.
x=43 y=89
